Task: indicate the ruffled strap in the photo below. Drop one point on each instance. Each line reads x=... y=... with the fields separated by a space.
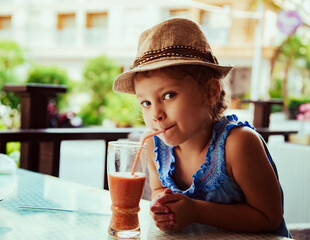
x=212 y=173
x=165 y=162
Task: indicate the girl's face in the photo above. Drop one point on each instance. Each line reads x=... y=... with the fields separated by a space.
x=174 y=105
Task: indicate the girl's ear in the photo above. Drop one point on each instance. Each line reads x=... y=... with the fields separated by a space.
x=213 y=90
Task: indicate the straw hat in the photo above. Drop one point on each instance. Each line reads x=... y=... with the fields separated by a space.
x=177 y=41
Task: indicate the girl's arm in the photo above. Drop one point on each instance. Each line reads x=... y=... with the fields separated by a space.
x=248 y=165
x=155 y=183
x=161 y=214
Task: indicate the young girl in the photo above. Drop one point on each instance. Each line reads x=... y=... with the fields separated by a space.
x=205 y=167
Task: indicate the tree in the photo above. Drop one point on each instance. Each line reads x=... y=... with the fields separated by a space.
x=98 y=77
x=292 y=49
x=293 y=53
x=124 y=110
x=51 y=75
x=11 y=56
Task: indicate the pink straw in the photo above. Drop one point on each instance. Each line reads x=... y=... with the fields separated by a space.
x=140 y=150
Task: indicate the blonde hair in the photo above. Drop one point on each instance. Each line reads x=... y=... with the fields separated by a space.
x=202 y=75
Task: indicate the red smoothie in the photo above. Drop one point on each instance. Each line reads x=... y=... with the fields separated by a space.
x=126 y=191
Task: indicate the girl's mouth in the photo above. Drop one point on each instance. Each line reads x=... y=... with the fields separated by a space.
x=163 y=130
x=167 y=129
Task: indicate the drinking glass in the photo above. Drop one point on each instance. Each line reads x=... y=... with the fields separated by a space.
x=125 y=188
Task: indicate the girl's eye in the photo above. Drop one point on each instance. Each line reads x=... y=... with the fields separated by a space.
x=169 y=95
x=145 y=103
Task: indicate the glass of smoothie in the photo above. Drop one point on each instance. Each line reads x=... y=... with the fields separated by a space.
x=126 y=185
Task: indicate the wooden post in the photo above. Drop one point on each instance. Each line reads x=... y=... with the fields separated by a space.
x=34 y=115
x=262 y=111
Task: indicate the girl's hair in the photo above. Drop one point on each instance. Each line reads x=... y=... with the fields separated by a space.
x=201 y=74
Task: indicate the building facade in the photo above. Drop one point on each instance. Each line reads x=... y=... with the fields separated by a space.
x=69 y=32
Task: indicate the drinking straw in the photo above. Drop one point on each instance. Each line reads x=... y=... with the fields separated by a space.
x=140 y=149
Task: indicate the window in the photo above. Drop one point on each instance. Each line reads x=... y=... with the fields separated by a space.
x=5 y=22
x=132 y=26
x=96 y=28
x=5 y=27
x=216 y=25
x=66 y=28
x=66 y=21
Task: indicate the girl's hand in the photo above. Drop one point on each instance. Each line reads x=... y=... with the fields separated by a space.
x=181 y=206
x=161 y=214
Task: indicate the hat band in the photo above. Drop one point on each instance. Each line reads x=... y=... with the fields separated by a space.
x=176 y=51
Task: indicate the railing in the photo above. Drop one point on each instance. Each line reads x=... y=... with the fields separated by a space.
x=40 y=148
x=45 y=144
x=40 y=145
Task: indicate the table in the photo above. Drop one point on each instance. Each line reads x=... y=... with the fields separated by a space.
x=262 y=111
x=90 y=217
x=46 y=155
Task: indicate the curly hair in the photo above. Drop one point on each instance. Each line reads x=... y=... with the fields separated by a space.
x=202 y=75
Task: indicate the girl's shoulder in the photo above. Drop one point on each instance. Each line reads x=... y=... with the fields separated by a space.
x=242 y=136
x=234 y=131
x=242 y=144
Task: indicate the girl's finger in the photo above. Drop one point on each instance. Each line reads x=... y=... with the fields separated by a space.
x=169 y=198
x=164 y=218
x=159 y=209
x=167 y=191
x=165 y=225
x=165 y=228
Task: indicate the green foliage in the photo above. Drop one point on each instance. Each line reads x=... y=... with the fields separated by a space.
x=275 y=92
x=51 y=75
x=2 y=125
x=98 y=77
x=124 y=110
x=296 y=47
x=13 y=151
x=104 y=104
x=276 y=89
x=99 y=73
x=293 y=104
x=293 y=53
x=11 y=56
x=91 y=114
x=47 y=75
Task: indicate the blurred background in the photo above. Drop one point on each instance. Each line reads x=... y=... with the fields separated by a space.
x=85 y=44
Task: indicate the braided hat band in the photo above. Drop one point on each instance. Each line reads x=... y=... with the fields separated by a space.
x=176 y=51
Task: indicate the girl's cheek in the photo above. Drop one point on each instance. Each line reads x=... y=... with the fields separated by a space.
x=147 y=122
x=146 y=119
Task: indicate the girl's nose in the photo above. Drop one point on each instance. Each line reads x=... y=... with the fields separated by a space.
x=158 y=115
x=158 y=118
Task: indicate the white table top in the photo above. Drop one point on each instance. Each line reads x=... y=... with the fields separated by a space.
x=32 y=189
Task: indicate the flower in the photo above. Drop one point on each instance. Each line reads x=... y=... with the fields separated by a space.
x=304 y=112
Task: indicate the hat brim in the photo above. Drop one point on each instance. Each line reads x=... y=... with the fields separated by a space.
x=124 y=83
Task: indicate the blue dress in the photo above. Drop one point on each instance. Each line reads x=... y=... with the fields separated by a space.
x=210 y=182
